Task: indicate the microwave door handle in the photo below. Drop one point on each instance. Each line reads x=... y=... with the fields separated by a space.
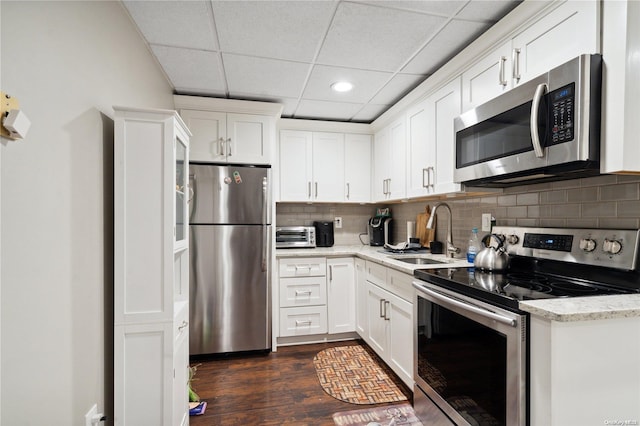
x=535 y=107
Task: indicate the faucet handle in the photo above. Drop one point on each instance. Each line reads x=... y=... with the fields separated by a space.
x=451 y=249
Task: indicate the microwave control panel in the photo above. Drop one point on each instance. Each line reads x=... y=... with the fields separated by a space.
x=561 y=114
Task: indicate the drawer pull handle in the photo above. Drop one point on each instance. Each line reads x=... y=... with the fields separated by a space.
x=183 y=325
x=303 y=292
x=303 y=322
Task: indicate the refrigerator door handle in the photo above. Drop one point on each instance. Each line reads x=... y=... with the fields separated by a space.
x=265 y=212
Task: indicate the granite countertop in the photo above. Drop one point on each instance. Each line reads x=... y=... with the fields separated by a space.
x=378 y=255
x=561 y=309
x=585 y=308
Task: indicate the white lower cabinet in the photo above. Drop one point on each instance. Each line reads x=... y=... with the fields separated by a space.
x=316 y=296
x=341 y=295
x=389 y=317
x=302 y=296
x=361 y=298
x=303 y=320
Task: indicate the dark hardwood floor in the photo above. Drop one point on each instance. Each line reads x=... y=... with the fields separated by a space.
x=278 y=388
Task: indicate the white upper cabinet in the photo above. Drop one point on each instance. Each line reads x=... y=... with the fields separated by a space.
x=564 y=32
x=229 y=131
x=431 y=142
x=295 y=165
x=357 y=168
x=444 y=105
x=328 y=167
x=421 y=150
x=229 y=138
x=621 y=87
x=324 y=166
x=389 y=164
x=487 y=78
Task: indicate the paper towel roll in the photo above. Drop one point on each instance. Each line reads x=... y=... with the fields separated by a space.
x=411 y=229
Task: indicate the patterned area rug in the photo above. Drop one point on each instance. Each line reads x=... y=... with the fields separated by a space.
x=352 y=374
x=384 y=416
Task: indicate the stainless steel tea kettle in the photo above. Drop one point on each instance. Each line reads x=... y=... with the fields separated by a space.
x=492 y=258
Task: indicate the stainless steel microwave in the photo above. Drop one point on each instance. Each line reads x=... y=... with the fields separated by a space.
x=545 y=129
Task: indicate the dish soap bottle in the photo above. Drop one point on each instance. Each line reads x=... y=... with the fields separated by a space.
x=474 y=246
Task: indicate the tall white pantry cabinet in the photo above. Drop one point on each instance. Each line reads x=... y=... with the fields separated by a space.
x=151 y=283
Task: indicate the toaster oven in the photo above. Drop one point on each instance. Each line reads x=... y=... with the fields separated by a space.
x=295 y=237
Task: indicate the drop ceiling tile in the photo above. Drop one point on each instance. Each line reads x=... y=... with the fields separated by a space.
x=338 y=111
x=289 y=30
x=365 y=84
x=375 y=38
x=453 y=38
x=174 y=23
x=487 y=10
x=370 y=112
x=400 y=85
x=436 y=7
x=191 y=70
x=264 y=77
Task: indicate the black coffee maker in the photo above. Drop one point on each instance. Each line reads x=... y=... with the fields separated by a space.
x=380 y=228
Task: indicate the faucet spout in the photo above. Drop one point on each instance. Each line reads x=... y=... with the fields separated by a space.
x=451 y=249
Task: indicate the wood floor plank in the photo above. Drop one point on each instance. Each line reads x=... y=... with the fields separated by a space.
x=278 y=388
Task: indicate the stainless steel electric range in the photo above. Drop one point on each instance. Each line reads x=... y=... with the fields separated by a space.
x=470 y=337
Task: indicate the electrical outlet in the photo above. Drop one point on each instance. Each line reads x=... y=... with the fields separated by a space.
x=486 y=222
x=337 y=222
x=91 y=415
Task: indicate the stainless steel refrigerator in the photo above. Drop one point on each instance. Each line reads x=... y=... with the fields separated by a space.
x=229 y=275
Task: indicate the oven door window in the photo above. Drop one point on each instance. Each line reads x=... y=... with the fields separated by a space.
x=464 y=362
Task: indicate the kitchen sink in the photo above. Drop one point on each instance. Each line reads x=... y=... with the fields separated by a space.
x=419 y=260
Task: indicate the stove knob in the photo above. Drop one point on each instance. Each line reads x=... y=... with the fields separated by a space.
x=512 y=239
x=612 y=246
x=587 y=244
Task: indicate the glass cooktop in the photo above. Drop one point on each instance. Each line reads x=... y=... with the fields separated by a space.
x=510 y=287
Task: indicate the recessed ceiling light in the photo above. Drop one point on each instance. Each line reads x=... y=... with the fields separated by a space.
x=342 y=86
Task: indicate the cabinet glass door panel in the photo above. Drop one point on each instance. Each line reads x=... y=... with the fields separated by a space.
x=182 y=191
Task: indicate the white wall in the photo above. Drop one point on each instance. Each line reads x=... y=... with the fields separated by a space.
x=67 y=63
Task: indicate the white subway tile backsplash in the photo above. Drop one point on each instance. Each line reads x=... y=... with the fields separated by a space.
x=607 y=201
x=626 y=191
x=629 y=209
x=603 y=209
x=582 y=194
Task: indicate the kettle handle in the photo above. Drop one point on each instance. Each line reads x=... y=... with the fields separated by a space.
x=486 y=240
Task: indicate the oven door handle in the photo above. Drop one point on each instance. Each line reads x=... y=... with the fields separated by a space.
x=460 y=304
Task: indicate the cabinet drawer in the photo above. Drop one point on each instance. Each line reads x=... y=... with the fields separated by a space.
x=303 y=321
x=305 y=291
x=376 y=273
x=303 y=267
x=399 y=284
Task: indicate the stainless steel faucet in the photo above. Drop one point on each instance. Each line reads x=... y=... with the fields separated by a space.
x=451 y=249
